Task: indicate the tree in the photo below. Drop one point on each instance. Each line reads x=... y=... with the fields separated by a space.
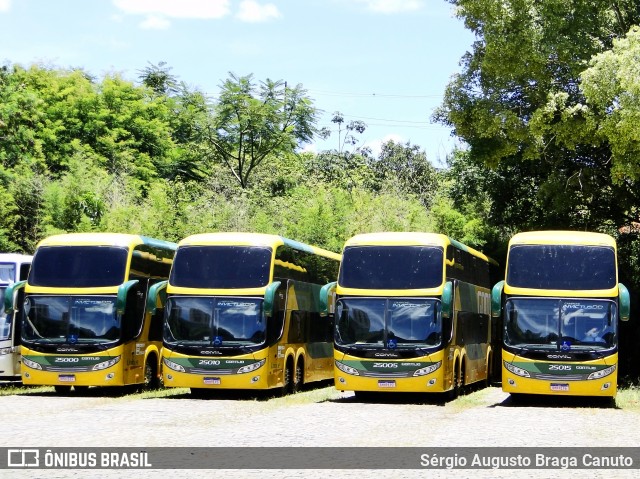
x=405 y=168
x=611 y=86
x=159 y=79
x=251 y=122
x=349 y=165
x=518 y=100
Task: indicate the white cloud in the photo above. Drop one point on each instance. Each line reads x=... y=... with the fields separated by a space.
x=203 y=9
x=155 y=22
x=392 y=6
x=5 y=5
x=253 y=12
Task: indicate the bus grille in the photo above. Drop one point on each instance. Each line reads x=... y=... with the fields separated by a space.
x=212 y=372
x=386 y=374
x=568 y=377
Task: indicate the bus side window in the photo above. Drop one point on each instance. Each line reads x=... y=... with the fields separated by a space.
x=134 y=310
x=275 y=323
x=24 y=272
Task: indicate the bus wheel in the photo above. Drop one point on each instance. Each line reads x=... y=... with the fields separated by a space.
x=150 y=373
x=287 y=386
x=298 y=380
x=63 y=390
x=461 y=388
x=455 y=390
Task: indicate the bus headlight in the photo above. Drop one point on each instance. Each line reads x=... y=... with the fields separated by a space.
x=172 y=365
x=347 y=369
x=428 y=369
x=30 y=364
x=251 y=367
x=4 y=351
x=516 y=370
x=106 y=364
x=602 y=373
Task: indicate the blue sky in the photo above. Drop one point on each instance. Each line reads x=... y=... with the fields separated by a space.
x=384 y=62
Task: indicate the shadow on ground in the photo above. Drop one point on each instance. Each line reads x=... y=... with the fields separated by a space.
x=543 y=401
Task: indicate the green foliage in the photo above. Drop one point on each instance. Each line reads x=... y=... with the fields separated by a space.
x=612 y=88
x=405 y=169
x=519 y=106
x=253 y=122
x=84 y=154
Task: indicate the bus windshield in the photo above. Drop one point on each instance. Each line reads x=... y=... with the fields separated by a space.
x=5 y=321
x=212 y=321
x=391 y=267
x=70 y=319
x=221 y=267
x=560 y=324
x=78 y=266
x=7 y=272
x=388 y=323
x=564 y=267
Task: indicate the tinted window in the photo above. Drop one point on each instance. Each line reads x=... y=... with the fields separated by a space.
x=391 y=267
x=221 y=267
x=78 y=266
x=568 y=267
x=71 y=319
x=565 y=324
x=215 y=321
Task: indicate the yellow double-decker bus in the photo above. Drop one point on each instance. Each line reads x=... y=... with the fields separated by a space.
x=560 y=303
x=412 y=314
x=83 y=313
x=13 y=268
x=242 y=311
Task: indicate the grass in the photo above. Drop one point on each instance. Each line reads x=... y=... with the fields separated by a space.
x=11 y=389
x=628 y=398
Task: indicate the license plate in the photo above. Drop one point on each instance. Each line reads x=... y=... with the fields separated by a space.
x=386 y=384
x=559 y=387
x=67 y=378
x=212 y=380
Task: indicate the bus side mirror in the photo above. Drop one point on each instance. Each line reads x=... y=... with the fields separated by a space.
x=121 y=299
x=10 y=296
x=270 y=298
x=447 y=300
x=327 y=298
x=624 y=302
x=157 y=291
x=496 y=299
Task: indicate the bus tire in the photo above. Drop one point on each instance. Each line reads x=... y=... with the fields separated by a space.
x=455 y=387
x=62 y=390
x=287 y=379
x=462 y=389
x=151 y=373
x=298 y=378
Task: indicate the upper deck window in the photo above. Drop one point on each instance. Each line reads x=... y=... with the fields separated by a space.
x=78 y=266
x=392 y=267
x=562 y=267
x=221 y=267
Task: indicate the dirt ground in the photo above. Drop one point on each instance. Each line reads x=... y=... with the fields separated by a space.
x=320 y=417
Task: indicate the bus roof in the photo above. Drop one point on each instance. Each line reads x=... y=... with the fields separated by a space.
x=411 y=239
x=253 y=239
x=105 y=239
x=15 y=258
x=562 y=238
